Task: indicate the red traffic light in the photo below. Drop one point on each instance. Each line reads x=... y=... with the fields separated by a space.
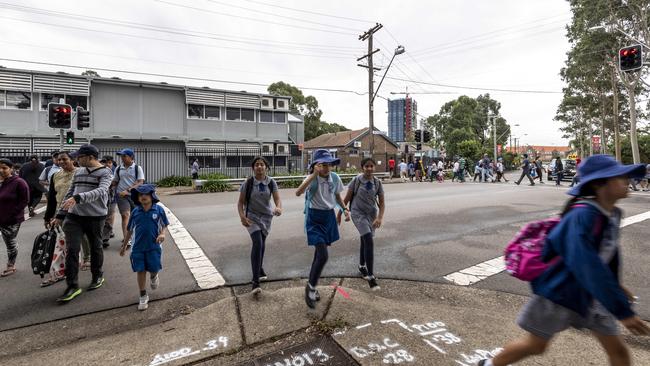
x=624 y=52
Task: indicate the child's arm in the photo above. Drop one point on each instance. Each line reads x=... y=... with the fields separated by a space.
x=278 y=202
x=240 y=208
x=339 y=200
x=382 y=208
x=161 y=236
x=125 y=242
x=310 y=178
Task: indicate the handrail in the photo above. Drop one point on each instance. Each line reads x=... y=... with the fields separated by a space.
x=198 y=183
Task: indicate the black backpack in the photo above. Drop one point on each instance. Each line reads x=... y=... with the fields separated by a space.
x=249 y=191
x=43 y=252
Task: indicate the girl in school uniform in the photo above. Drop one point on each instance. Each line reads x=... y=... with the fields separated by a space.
x=365 y=196
x=323 y=194
x=583 y=289
x=256 y=214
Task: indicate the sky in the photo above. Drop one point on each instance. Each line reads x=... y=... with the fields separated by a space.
x=497 y=44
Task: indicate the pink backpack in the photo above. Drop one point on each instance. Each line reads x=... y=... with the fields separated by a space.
x=523 y=255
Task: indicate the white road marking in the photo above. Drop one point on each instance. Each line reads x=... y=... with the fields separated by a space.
x=204 y=272
x=37 y=211
x=481 y=271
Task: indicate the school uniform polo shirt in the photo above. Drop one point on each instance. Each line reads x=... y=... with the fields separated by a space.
x=146 y=226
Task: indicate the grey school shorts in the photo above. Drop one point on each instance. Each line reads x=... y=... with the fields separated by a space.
x=544 y=318
x=123 y=204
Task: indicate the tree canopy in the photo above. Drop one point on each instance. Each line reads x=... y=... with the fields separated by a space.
x=307 y=106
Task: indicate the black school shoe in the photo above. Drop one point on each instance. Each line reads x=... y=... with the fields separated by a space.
x=70 y=293
x=308 y=300
x=105 y=244
x=364 y=272
x=256 y=289
x=481 y=363
x=372 y=282
x=263 y=276
x=97 y=283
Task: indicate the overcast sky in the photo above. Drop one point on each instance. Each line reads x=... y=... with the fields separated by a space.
x=498 y=44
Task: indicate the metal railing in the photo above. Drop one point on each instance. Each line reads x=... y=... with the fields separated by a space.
x=198 y=183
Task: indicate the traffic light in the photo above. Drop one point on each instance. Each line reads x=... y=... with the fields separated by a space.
x=418 y=135
x=418 y=147
x=427 y=136
x=630 y=58
x=59 y=115
x=83 y=118
x=69 y=137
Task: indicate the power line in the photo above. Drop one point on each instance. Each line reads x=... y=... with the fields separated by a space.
x=265 y=21
x=176 y=31
x=280 y=16
x=311 y=12
x=173 y=41
x=176 y=76
x=478 y=88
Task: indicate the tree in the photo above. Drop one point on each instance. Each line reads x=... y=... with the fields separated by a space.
x=92 y=73
x=307 y=106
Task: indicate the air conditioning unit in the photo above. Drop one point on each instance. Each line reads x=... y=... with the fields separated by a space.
x=282 y=104
x=267 y=149
x=282 y=149
x=357 y=144
x=267 y=103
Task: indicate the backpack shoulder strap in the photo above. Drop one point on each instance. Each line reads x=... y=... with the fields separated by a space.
x=136 y=171
x=248 y=191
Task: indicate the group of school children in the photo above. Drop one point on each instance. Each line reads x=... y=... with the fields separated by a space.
x=363 y=204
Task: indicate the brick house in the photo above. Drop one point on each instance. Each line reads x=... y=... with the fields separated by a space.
x=545 y=152
x=352 y=146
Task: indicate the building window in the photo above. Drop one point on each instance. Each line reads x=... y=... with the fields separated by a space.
x=232 y=161
x=15 y=99
x=246 y=161
x=266 y=116
x=354 y=152
x=248 y=115
x=194 y=111
x=280 y=161
x=240 y=114
x=279 y=117
x=74 y=100
x=233 y=114
x=201 y=111
x=207 y=161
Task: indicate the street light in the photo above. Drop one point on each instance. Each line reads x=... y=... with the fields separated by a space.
x=613 y=27
x=398 y=51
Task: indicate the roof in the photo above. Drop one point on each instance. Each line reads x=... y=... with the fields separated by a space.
x=341 y=139
x=117 y=80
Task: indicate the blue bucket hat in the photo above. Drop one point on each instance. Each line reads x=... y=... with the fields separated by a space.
x=127 y=152
x=144 y=189
x=603 y=167
x=323 y=156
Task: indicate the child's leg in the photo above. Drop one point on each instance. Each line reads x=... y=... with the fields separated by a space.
x=616 y=350
x=517 y=350
x=256 y=255
x=320 y=259
x=142 y=282
x=263 y=250
x=362 y=252
x=369 y=253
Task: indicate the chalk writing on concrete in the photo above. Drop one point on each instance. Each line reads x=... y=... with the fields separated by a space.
x=213 y=344
x=314 y=357
x=390 y=351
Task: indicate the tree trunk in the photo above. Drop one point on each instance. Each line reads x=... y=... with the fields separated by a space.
x=631 y=86
x=617 y=137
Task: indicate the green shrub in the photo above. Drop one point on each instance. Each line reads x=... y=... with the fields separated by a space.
x=213 y=176
x=294 y=183
x=174 y=181
x=215 y=185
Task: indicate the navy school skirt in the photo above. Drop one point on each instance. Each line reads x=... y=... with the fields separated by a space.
x=321 y=227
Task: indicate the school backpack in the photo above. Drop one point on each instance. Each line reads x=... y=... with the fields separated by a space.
x=523 y=255
x=43 y=251
x=249 y=190
x=355 y=189
x=313 y=187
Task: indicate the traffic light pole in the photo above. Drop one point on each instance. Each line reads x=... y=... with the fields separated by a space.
x=60 y=139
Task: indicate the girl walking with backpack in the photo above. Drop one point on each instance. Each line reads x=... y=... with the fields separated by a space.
x=581 y=288
x=256 y=214
x=323 y=194
x=365 y=196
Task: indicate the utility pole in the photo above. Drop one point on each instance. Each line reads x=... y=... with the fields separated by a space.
x=371 y=87
x=494 y=132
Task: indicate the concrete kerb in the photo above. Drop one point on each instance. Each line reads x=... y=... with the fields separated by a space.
x=407 y=322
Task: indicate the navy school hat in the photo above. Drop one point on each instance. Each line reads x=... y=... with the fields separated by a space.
x=86 y=149
x=127 y=152
x=324 y=156
x=603 y=167
x=144 y=189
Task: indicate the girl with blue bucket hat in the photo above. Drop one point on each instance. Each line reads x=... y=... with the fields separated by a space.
x=323 y=194
x=582 y=289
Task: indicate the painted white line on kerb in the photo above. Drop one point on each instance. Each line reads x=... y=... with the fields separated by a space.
x=481 y=271
x=204 y=272
x=37 y=211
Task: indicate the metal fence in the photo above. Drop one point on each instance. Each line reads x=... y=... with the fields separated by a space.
x=158 y=163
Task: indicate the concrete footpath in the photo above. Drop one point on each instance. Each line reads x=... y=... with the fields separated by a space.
x=409 y=323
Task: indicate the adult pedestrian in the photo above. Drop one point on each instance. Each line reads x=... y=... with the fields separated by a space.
x=256 y=214
x=31 y=173
x=501 y=171
x=583 y=289
x=403 y=171
x=127 y=176
x=59 y=186
x=558 y=168
x=49 y=170
x=462 y=166
x=539 y=167
x=391 y=167
x=323 y=189
x=525 y=171
x=195 y=169
x=418 y=170
x=411 y=169
x=478 y=171
x=14 y=197
x=485 y=167
x=441 y=169
x=83 y=212
x=107 y=231
x=455 y=170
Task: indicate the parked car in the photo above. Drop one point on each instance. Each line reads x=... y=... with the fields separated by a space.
x=569 y=170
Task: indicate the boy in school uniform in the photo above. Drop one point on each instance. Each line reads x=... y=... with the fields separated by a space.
x=147 y=224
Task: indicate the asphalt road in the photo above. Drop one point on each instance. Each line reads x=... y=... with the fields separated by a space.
x=430 y=230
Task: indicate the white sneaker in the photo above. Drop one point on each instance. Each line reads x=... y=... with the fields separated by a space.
x=155 y=281
x=144 y=302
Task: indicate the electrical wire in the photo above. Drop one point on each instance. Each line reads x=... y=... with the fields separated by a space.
x=479 y=88
x=312 y=12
